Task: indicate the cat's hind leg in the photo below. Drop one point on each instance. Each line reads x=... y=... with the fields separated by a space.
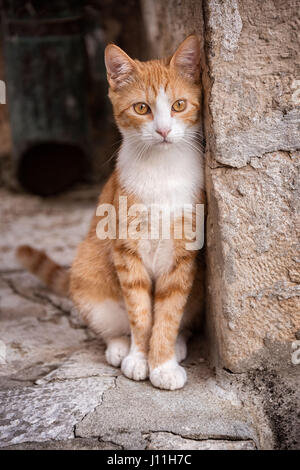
x=109 y=320
x=181 y=345
x=117 y=348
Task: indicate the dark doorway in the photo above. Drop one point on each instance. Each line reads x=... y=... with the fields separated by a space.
x=51 y=167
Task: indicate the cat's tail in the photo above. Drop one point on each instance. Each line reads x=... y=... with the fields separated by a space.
x=38 y=263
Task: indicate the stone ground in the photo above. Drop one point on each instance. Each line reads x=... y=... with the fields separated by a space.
x=56 y=390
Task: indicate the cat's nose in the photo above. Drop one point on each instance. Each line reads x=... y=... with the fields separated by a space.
x=163 y=132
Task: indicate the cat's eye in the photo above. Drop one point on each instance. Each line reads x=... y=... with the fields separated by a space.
x=179 y=106
x=141 y=108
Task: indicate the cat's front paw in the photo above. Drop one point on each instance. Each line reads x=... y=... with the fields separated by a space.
x=135 y=366
x=168 y=376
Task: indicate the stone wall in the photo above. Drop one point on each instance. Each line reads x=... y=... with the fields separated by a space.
x=251 y=65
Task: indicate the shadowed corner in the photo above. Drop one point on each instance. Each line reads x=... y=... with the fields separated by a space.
x=51 y=167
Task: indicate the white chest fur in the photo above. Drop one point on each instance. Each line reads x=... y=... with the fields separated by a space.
x=169 y=178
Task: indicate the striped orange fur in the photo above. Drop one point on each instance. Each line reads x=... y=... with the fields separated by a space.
x=39 y=264
x=144 y=296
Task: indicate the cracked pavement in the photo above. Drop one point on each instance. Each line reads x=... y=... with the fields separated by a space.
x=57 y=391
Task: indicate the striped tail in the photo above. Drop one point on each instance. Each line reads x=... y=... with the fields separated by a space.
x=37 y=262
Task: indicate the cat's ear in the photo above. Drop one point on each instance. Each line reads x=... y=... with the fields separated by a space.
x=119 y=66
x=186 y=59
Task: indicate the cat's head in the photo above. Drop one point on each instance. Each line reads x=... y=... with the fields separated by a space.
x=156 y=103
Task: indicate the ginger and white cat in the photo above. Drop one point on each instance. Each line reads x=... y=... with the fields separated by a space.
x=143 y=297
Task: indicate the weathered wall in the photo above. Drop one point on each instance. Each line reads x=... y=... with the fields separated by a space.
x=252 y=122
x=167 y=22
x=253 y=60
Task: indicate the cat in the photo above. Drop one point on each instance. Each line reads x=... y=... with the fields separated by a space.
x=144 y=297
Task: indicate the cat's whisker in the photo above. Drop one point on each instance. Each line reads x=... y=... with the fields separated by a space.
x=193 y=146
x=194 y=133
x=197 y=140
x=145 y=149
x=108 y=160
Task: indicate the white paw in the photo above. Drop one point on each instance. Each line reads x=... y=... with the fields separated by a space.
x=116 y=350
x=168 y=376
x=180 y=348
x=135 y=366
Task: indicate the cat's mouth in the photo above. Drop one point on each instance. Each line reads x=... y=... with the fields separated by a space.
x=164 y=143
